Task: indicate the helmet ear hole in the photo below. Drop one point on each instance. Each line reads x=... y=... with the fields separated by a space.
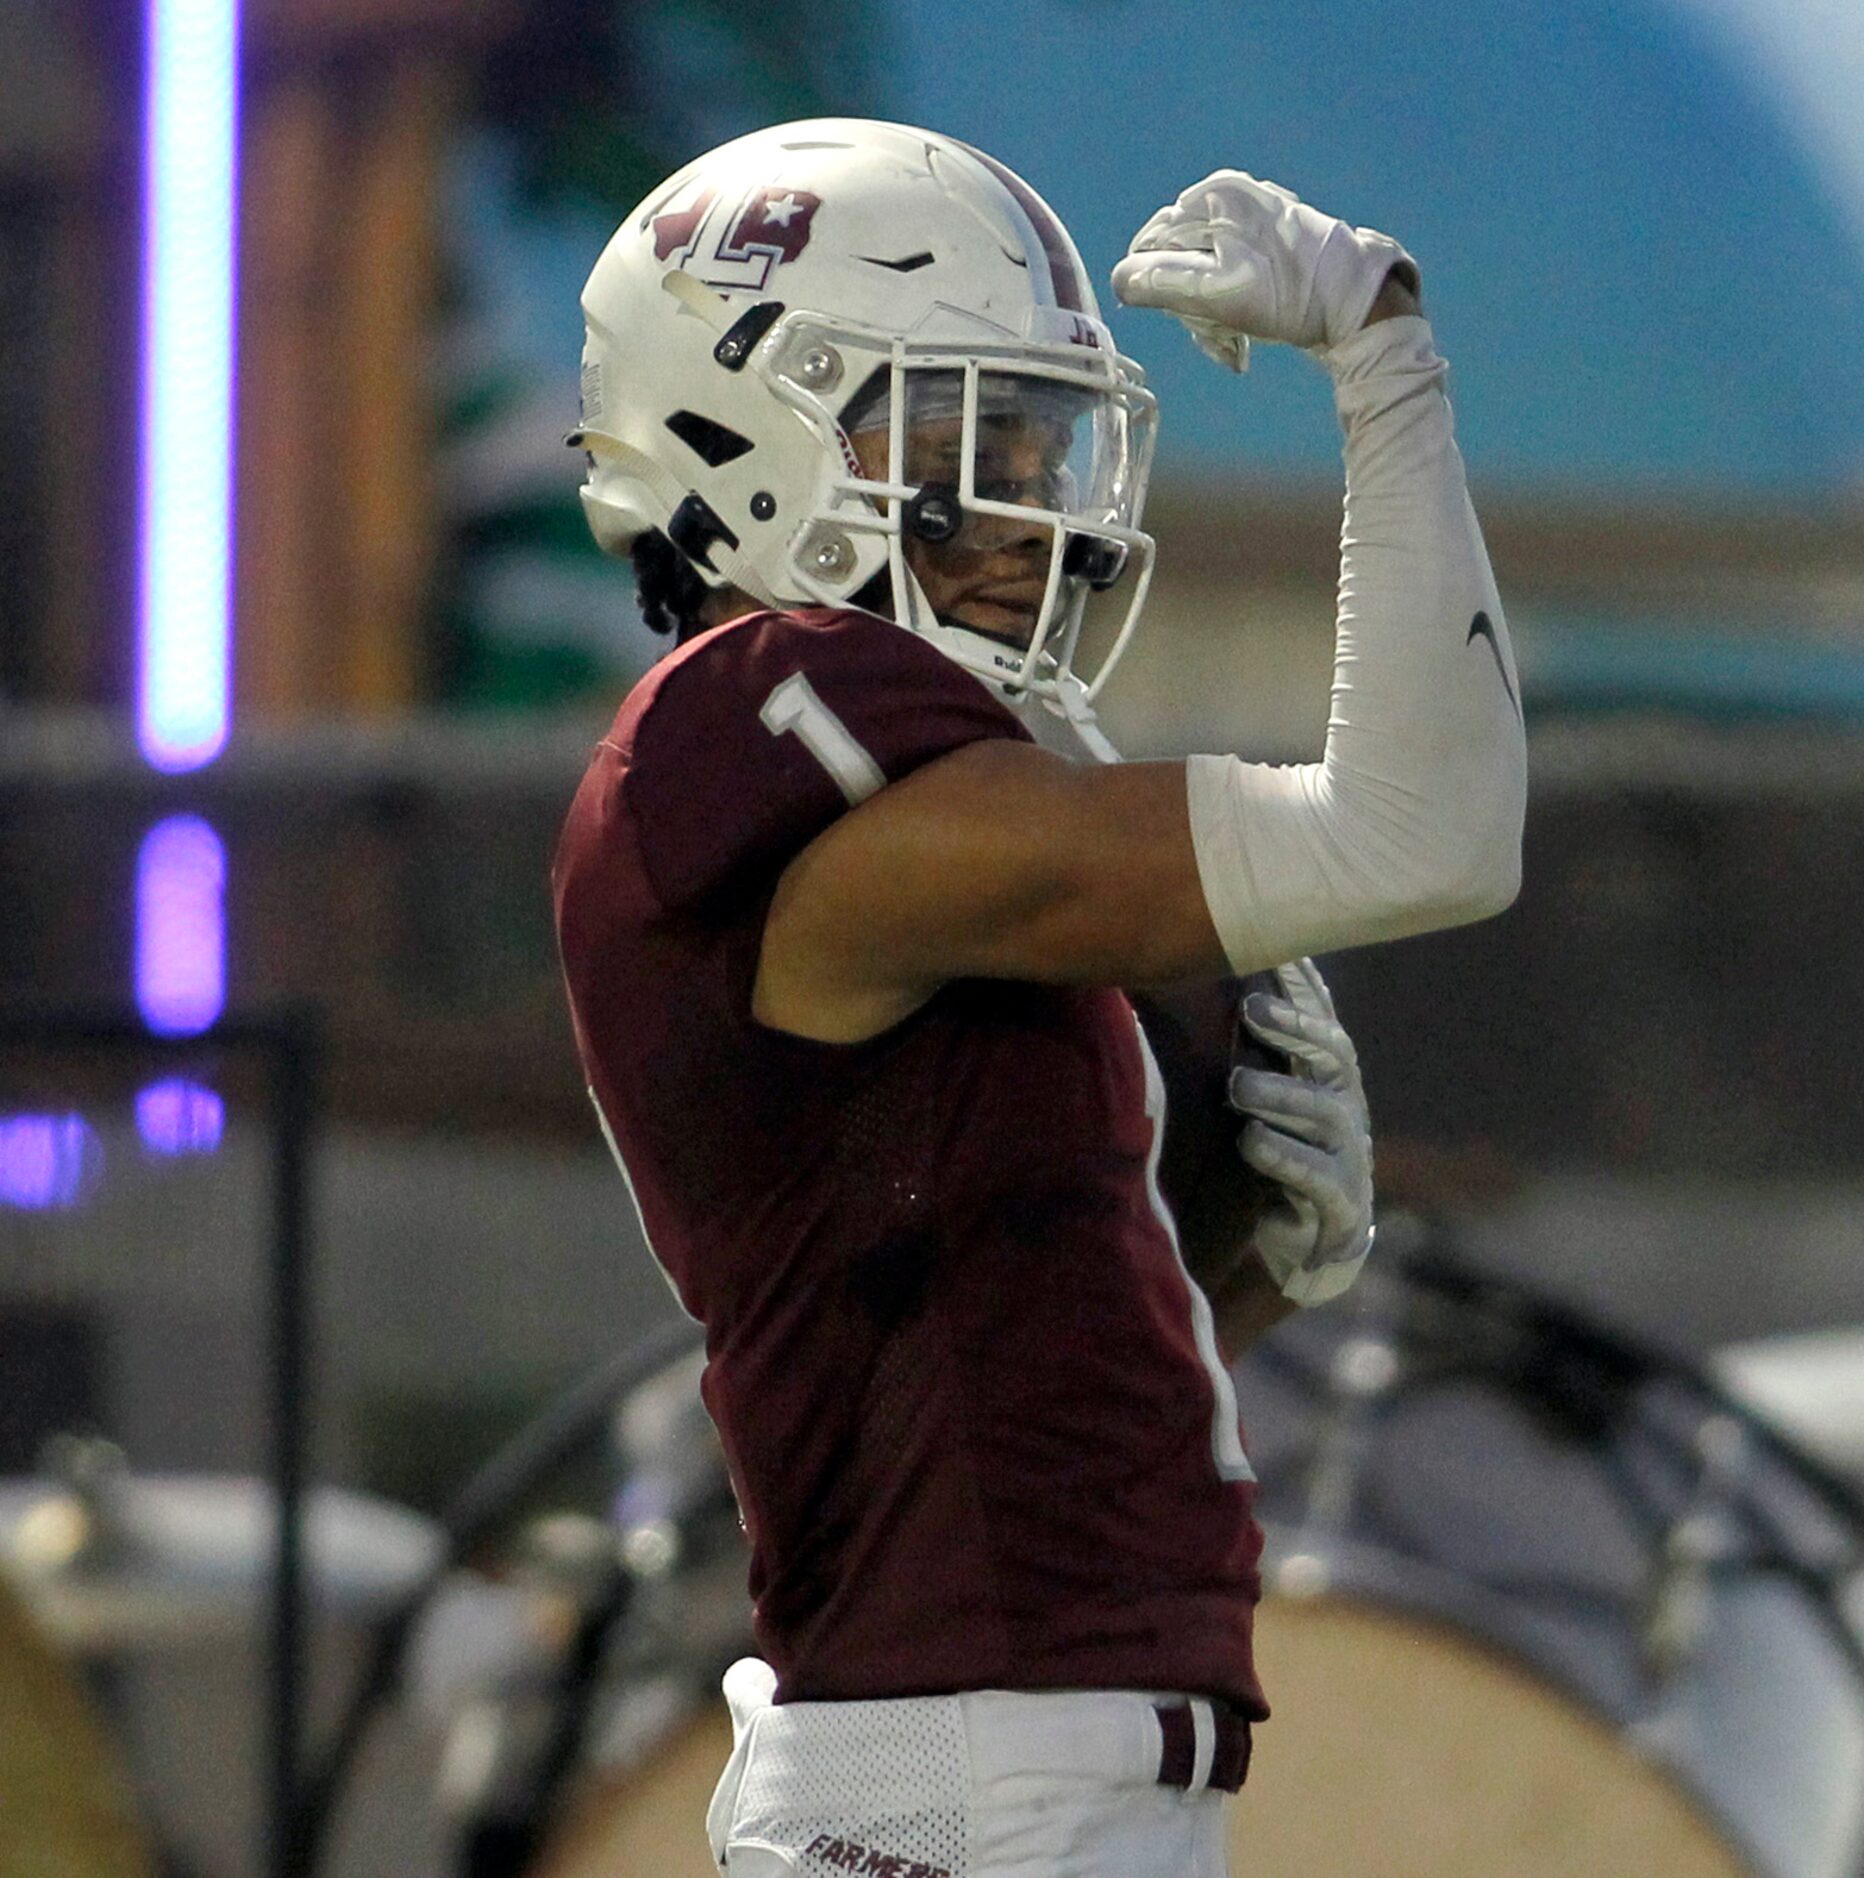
x=714 y=443
x=696 y=529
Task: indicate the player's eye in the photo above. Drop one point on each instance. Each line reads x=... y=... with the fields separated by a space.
x=1008 y=489
x=934 y=466
x=1041 y=488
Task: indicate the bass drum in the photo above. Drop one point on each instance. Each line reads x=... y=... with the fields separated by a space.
x=1398 y=1747
x=650 y=1818
x=1541 y=1601
x=1405 y=1747
x=1538 y=1602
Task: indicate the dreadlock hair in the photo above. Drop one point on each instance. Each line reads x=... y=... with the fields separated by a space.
x=671 y=595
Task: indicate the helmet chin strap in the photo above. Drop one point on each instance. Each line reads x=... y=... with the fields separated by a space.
x=1067 y=699
x=1063 y=722
x=1071 y=702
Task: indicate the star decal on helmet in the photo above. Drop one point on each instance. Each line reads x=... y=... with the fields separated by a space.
x=736 y=244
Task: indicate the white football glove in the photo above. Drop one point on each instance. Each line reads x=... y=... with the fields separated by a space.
x=1234 y=258
x=1311 y=1135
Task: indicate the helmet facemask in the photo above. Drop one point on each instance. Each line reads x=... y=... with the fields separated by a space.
x=999 y=490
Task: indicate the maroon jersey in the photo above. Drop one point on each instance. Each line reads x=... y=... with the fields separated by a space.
x=970 y=1400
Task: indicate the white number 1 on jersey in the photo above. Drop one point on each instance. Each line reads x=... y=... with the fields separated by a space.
x=794 y=706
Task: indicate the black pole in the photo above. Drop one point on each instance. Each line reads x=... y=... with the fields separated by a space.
x=290 y=1042
x=483 y=1504
x=295 y=1071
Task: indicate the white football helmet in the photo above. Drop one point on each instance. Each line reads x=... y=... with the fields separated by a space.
x=807 y=284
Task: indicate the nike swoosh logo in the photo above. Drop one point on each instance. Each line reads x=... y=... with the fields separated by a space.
x=1482 y=627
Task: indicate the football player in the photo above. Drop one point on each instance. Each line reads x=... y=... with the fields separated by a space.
x=845 y=941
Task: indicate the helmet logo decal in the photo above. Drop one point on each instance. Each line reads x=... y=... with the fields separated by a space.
x=739 y=244
x=677 y=231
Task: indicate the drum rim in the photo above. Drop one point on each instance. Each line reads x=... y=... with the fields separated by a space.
x=1390 y=1577
x=1448 y=1274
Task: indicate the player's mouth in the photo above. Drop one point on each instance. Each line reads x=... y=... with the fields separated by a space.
x=1006 y=613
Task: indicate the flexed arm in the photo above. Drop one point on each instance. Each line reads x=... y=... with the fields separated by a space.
x=1412 y=818
x=1003 y=861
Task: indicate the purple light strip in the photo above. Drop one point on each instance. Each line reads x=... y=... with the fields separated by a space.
x=181 y=969
x=178 y=1116
x=47 y=1161
x=189 y=250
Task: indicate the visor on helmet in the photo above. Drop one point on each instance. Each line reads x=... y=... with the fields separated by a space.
x=1017 y=498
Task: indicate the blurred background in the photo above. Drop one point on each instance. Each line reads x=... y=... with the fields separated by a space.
x=303 y=646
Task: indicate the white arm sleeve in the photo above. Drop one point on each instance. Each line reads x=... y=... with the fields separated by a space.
x=1412 y=819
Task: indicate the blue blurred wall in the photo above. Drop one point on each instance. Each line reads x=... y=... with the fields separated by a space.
x=1642 y=275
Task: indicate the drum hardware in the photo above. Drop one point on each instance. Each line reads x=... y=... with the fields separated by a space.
x=651 y=1549
x=677 y=1518
x=1677 y=1600
x=494 y=1665
x=81 y=1520
x=1363 y=1372
x=675 y=1504
x=71 y=1529
x=500 y=1661
x=568 y=1559
x=113 y=1561
x=483 y=1506
x=1676 y=1605
x=506 y=1828
x=513 y=1740
x=1540 y=1519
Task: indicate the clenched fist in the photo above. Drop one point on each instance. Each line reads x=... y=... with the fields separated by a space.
x=1236 y=259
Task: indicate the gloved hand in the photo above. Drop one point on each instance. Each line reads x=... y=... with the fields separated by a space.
x=1234 y=258
x=1309 y=1133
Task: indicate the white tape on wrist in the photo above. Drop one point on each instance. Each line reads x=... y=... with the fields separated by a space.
x=1310 y=1285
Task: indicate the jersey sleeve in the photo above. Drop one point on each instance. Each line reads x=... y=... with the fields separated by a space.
x=755 y=737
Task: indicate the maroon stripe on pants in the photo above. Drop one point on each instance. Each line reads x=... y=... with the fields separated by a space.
x=1178 y=1756
x=1229 y=1766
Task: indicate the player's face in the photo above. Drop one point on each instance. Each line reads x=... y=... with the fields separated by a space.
x=991 y=575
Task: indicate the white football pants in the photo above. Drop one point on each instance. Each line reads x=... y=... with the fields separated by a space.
x=991 y=1784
